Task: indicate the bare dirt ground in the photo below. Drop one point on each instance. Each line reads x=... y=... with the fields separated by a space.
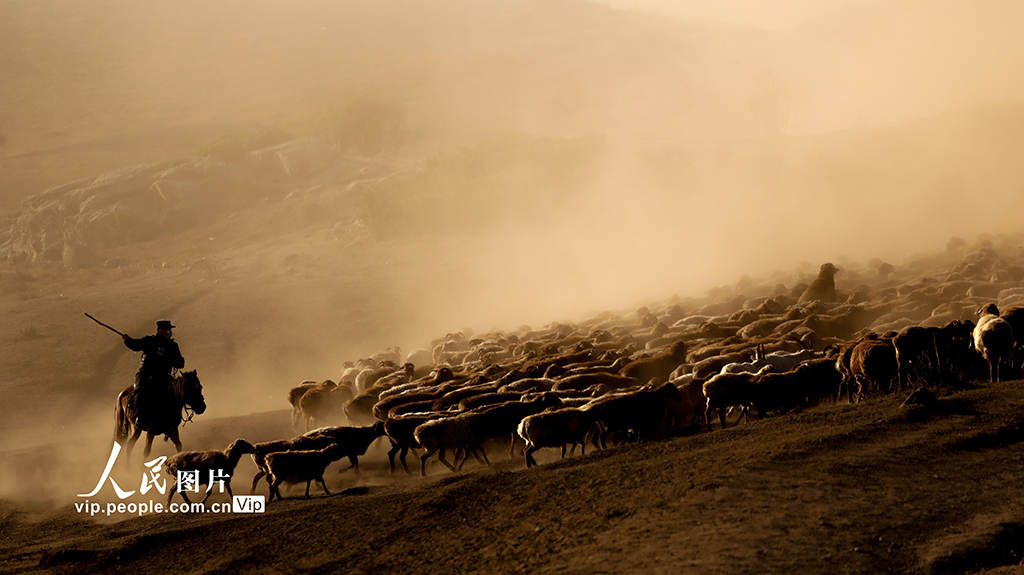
x=866 y=488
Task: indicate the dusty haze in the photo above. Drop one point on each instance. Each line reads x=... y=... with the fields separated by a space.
x=557 y=159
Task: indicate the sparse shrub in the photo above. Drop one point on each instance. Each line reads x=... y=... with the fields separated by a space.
x=366 y=126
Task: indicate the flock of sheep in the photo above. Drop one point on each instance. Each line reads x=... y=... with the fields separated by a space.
x=661 y=371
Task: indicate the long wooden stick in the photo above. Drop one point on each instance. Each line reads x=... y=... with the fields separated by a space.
x=104 y=325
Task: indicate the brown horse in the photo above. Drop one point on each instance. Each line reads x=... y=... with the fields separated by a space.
x=185 y=390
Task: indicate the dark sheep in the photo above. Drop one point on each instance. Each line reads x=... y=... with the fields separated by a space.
x=873 y=366
x=355 y=440
x=644 y=412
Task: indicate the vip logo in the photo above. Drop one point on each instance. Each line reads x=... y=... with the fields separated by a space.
x=248 y=503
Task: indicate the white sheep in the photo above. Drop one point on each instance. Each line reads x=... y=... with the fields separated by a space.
x=784 y=361
x=993 y=337
x=420 y=356
x=207 y=463
x=297 y=466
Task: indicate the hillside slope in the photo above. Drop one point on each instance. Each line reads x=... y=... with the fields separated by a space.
x=865 y=488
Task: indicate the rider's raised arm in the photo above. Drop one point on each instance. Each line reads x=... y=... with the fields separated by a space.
x=135 y=344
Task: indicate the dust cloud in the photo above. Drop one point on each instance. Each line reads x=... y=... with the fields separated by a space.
x=492 y=164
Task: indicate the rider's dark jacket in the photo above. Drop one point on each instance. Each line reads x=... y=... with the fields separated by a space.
x=159 y=355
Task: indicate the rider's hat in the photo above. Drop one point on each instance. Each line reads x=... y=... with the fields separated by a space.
x=164 y=324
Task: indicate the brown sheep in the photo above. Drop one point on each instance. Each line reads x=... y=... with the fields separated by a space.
x=824 y=287
x=206 y=463
x=294 y=395
x=323 y=401
x=660 y=365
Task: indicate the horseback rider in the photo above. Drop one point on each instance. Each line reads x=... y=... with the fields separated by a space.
x=160 y=354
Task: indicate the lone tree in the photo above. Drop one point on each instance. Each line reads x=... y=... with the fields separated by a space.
x=366 y=126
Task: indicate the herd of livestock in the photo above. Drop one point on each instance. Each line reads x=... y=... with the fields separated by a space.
x=943 y=320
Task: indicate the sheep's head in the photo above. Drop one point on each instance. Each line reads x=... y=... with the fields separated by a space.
x=443 y=374
x=678 y=349
x=827 y=270
x=659 y=329
x=989 y=309
x=241 y=447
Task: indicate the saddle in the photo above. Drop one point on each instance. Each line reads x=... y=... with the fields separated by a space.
x=145 y=403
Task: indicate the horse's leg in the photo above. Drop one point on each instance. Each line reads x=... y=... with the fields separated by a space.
x=130 y=445
x=173 y=436
x=149 y=444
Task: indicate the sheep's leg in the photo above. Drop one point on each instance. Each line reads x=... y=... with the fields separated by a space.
x=391 y=455
x=482 y=456
x=307 y=488
x=423 y=462
x=512 y=446
x=563 y=452
x=572 y=450
x=707 y=416
x=440 y=457
x=170 y=492
x=354 y=462
x=324 y=485
x=529 y=451
x=259 y=473
x=721 y=416
x=401 y=457
x=227 y=484
x=274 y=491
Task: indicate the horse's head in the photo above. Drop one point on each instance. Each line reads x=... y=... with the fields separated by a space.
x=192 y=391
